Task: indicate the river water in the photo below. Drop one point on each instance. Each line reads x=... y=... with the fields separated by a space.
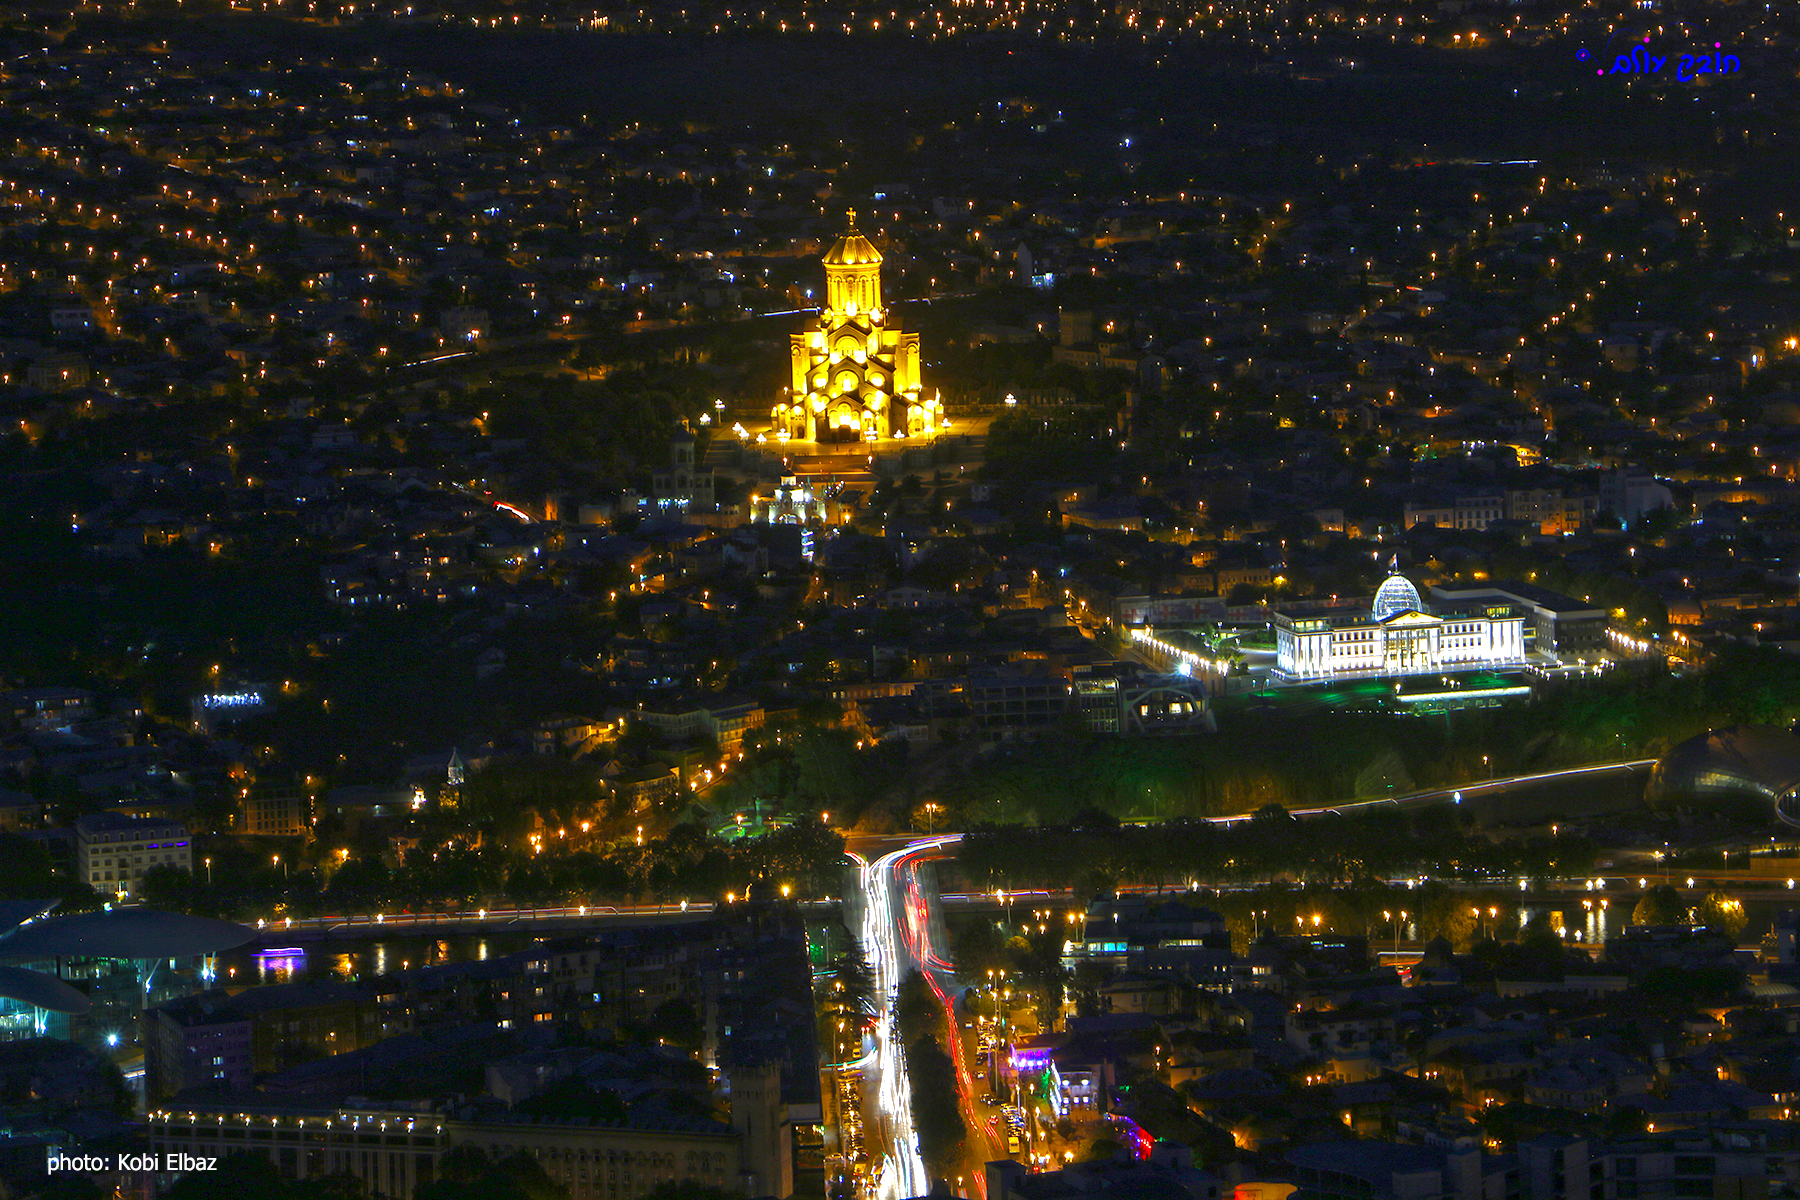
x=269 y=960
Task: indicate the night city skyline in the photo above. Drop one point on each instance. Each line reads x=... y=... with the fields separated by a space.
x=825 y=600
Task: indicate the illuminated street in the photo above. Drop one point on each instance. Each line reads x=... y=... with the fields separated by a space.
x=897 y=933
x=901 y=1172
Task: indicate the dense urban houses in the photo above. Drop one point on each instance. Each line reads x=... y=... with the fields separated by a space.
x=885 y=601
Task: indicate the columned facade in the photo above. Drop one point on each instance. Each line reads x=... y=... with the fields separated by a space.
x=1397 y=638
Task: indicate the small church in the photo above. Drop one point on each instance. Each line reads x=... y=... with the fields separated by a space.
x=683 y=486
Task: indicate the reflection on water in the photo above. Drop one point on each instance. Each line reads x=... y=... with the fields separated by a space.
x=280 y=964
x=1594 y=924
x=1585 y=922
x=358 y=958
x=1596 y=920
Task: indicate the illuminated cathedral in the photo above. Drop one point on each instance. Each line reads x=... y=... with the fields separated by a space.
x=855 y=379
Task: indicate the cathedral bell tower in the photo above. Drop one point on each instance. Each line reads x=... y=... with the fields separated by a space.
x=854 y=379
x=853 y=274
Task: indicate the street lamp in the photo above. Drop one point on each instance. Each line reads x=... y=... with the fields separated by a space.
x=1389 y=917
x=208 y=870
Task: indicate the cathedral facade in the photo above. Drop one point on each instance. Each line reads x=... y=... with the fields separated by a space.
x=854 y=378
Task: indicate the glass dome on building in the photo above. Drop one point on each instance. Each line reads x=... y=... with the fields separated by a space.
x=1754 y=763
x=1397 y=595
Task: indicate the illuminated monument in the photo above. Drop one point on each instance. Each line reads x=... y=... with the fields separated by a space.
x=855 y=379
x=1398 y=637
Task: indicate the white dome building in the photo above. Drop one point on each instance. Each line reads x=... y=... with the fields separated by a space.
x=1398 y=637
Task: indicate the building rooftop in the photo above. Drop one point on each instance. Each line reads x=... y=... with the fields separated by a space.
x=1376 y=1162
x=129 y=933
x=852 y=249
x=1531 y=593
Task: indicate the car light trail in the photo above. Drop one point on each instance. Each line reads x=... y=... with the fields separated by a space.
x=902 y=1171
x=1467 y=789
x=934 y=965
x=896 y=936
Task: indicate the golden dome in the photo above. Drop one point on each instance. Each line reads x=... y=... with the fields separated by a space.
x=852 y=249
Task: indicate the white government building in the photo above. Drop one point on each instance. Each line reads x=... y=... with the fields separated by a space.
x=1398 y=637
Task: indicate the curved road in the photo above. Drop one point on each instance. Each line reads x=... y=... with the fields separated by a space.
x=887 y=1093
x=898 y=921
x=1437 y=795
x=873 y=843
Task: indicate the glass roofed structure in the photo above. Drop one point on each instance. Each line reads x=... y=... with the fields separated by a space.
x=1739 y=764
x=1396 y=595
x=86 y=976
